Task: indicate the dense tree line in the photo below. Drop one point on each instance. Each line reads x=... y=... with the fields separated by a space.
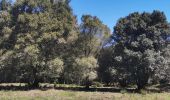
x=41 y=41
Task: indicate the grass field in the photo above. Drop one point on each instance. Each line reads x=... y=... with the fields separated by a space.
x=17 y=91
x=73 y=95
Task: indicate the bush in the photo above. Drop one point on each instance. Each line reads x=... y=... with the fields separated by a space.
x=97 y=84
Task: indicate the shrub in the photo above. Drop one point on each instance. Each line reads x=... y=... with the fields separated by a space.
x=97 y=84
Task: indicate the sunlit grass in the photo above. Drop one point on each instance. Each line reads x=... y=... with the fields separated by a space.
x=75 y=95
x=55 y=94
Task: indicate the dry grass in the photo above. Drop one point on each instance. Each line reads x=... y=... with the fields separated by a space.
x=72 y=95
x=53 y=94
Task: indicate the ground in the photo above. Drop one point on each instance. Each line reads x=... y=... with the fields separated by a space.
x=19 y=91
x=53 y=94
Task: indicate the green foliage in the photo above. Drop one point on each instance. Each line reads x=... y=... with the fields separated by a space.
x=5 y=5
x=88 y=66
x=97 y=84
x=93 y=34
x=35 y=33
x=83 y=71
x=87 y=69
x=140 y=41
x=40 y=41
x=55 y=68
x=105 y=72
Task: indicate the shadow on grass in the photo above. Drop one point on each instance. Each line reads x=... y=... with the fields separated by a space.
x=90 y=89
x=158 y=89
x=164 y=87
x=26 y=88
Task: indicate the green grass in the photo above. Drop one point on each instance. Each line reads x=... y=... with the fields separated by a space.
x=72 y=95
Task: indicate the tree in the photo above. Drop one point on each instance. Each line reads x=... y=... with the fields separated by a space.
x=8 y=71
x=56 y=67
x=86 y=70
x=93 y=35
x=91 y=38
x=5 y=5
x=35 y=32
x=163 y=75
x=105 y=65
x=140 y=41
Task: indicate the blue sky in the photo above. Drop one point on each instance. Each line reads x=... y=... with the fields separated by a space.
x=109 y=11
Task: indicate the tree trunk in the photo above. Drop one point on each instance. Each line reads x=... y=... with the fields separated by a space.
x=141 y=83
x=87 y=87
x=142 y=78
x=35 y=84
x=140 y=86
x=87 y=83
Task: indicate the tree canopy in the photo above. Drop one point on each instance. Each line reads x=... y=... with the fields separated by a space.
x=41 y=41
x=140 y=41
